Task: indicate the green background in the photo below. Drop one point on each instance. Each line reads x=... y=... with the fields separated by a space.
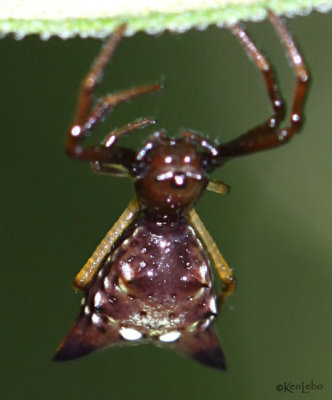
x=274 y=228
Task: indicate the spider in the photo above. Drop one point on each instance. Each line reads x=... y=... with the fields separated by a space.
x=150 y=278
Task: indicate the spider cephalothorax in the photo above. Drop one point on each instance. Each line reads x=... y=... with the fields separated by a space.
x=172 y=179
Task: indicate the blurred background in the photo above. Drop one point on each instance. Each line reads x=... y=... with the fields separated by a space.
x=274 y=228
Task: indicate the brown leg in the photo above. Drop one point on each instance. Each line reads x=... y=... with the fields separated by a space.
x=116 y=169
x=224 y=272
x=92 y=265
x=268 y=135
x=95 y=75
x=87 y=115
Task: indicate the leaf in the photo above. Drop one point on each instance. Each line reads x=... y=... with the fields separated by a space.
x=98 y=18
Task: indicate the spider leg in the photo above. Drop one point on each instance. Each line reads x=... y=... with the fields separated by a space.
x=116 y=169
x=268 y=134
x=88 y=115
x=90 y=268
x=224 y=272
x=95 y=75
x=218 y=187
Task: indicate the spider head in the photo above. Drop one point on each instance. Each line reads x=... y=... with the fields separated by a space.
x=171 y=177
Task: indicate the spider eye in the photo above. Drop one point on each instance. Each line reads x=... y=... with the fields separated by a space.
x=179 y=181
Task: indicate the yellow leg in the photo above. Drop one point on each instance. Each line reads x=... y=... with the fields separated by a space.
x=224 y=272
x=91 y=266
x=218 y=187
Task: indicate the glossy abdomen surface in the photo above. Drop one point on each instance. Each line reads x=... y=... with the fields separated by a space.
x=155 y=285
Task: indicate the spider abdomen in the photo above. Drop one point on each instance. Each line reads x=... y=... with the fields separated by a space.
x=156 y=285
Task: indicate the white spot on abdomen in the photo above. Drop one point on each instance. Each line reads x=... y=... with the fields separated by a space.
x=203 y=271
x=213 y=306
x=127 y=271
x=97 y=299
x=96 y=319
x=130 y=334
x=125 y=243
x=170 y=337
x=107 y=283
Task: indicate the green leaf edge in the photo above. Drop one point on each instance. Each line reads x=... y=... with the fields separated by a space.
x=154 y=22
